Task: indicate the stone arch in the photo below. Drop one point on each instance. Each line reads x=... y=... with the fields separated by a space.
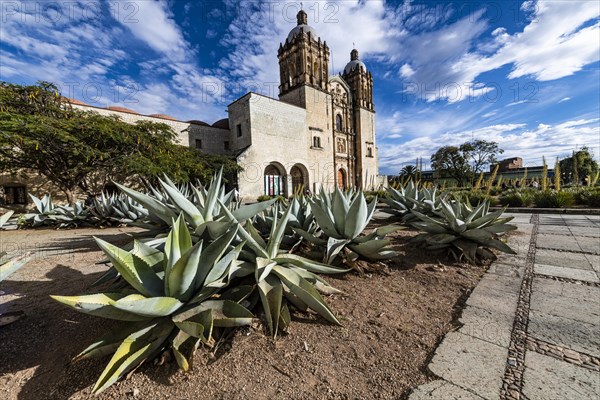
x=339 y=124
x=342 y=178
x=274 y=179
x=300 y=180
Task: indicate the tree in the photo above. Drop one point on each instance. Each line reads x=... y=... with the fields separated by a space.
x=40 y=131
x=580 y=165
x=409 y=171
x=480 y=153
x=449 y=161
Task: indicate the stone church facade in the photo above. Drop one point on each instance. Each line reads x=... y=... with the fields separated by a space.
x=319 y=133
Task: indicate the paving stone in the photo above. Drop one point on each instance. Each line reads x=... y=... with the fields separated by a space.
x=502 y=283
x=566 y=272
x=513 y=259
x=486 y=325
x=567 y=243
x=580 y=293
x=562 y=258
x=442 y=390
x=470 y=363
x=555 y=230
x=547 y=378
x=582 y=304
x=588 y=244
x=564 y=332
x=546 y=219
x=585 y=231
x=493 y=300
x=506 y=270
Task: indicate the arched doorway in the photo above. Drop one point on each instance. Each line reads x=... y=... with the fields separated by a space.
x=299 y=176
x=341 y=179
x=274 y=180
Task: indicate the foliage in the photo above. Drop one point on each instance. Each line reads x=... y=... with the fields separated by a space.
x=48 y=214
x=280 y=277
x=168 y=302
x=544 y=180
x=516 y=198
x=490 y=182
x=580 y=164
x=264 y=197
x=450 y=162
x=342 y=217
x=119 y=208
x=557 y=175
x=554 y=199
x=586 y=196
x=409 y=171
x=464 y=231
x=5 y=217
x=480 y=153
x=7 y=267
x=478 y=197
x=39 y=130
x=403 y=199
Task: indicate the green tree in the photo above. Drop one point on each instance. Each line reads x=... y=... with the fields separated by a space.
x=409 y=171
x=580 y=165
x=40 y=131
x=450 y=162
x=480 y=153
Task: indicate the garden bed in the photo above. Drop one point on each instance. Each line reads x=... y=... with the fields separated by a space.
x=392 y=323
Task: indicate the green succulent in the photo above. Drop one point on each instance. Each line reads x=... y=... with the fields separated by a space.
x=108 y=208
x=405 y=199
x=203 y=211
x=464 y=231
x=342 y=217
x=7 y=267
x=283 y=278
x=170 y=301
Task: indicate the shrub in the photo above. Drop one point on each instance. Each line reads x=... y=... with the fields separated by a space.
x=476 y=197
x=517 y=199
x=593 y=199
x=553 y=199
x=264 y=197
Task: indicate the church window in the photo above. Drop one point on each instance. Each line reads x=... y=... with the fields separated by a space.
x=239 y=130
x=226 y=145
x=316 y=142
x=198 y=144
x=369 y=151
x=338 y=123
x=14 y=194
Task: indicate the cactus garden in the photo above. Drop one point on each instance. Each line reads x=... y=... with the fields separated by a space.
x=186 y=293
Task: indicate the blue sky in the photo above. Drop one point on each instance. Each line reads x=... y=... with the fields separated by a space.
x=522 y=73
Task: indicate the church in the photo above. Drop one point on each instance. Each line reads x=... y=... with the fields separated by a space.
x=319 y=133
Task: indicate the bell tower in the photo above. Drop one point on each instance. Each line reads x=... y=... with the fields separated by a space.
x=360 y=81
x=303 y=59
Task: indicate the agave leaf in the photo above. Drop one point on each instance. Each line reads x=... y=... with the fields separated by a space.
x=499 y=228
x=263 y=268
x=255 y=235
x=134 y=349
x=370 y=248
x=211 y=255
x=477 y=235
x=307 y=264
x=334 y=246
x=217 y=228
x=324 y=220
x=12 y=265
x=260 y=251
x=441 y=238
x=340 y=208
x=271 y=293
x=212 y=195
x=110 y=342
x=229 y=314
x=149 y=255
x=278 y=232
x=191 y=212
x=178 y=341
x=284 y=317
x=182 y=276
x=483 y=221
x=500 y=245
x=238 y=293
x=356 y=219
x=148 y=307
x=133 y=269
x=100 y=305
x=429 y=227
x=154 y=206
x=248 y=211
x=310 y=237
x=468 y=248
x=5 y=217
x=305 y=292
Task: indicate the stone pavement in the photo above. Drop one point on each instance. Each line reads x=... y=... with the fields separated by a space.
x=531 y=327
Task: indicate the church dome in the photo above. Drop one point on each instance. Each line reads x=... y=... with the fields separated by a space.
x=302 y=25
x=354 y=63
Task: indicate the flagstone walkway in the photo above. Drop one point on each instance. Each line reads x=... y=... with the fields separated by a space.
x=531 y=328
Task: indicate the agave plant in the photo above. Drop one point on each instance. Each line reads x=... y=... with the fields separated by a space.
x=203 y=213
x=45 y=210
x=405 y=199
x=49 y=214
x=342 y=217
x=301 y=218
x=117 y=208
x=464 y=231
x=8 y=267
x=281 y=277
x=168 y=303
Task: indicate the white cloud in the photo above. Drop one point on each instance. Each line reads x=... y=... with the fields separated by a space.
x=564 y=99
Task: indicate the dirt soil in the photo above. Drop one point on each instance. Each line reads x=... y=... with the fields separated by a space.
x=392 y=323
